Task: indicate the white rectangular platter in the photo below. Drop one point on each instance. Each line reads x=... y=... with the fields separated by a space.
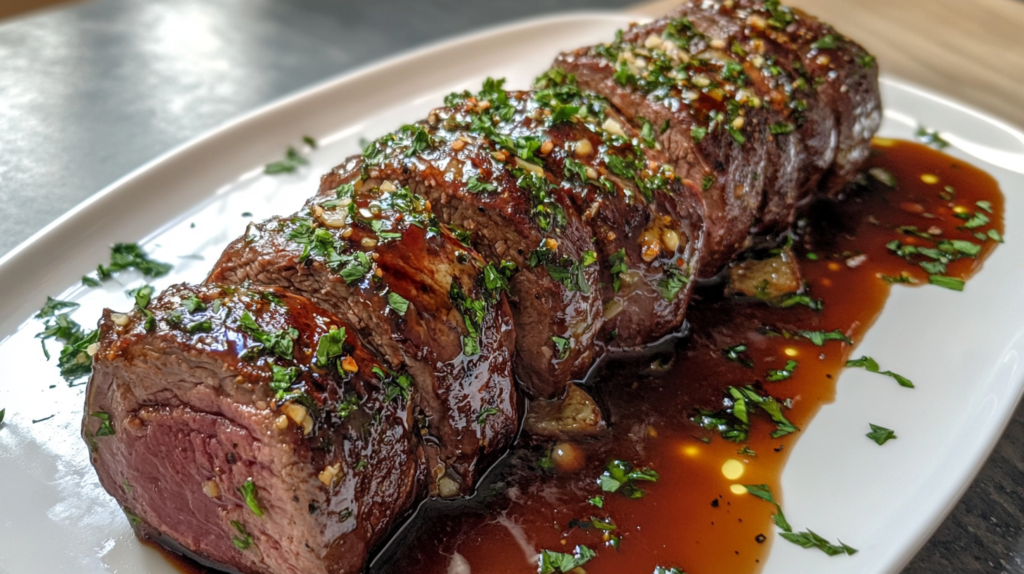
x=963 y=349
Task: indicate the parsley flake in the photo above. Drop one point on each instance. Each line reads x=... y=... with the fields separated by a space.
x=871 y=366
x=880 y=435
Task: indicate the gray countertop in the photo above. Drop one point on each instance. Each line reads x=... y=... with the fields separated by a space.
x=90 y=91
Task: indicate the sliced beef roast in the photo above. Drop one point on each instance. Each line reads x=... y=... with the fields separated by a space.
x=340 y=364
x=376 y=257
x=518 y=220
x=557 y=184
x=252 y=429
x=754 y=101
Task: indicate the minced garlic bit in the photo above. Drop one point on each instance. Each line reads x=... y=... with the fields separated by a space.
x=388 y=187
x=119 y=319
x=349 y=365
x=299 y=415
x=670 y=239
x=368 y=242
x=583 y=148
x=211 y=489
x=530 y=167
x=611 y=126
x=329 y=474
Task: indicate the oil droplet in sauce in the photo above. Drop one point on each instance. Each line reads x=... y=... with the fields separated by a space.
x=698 y=516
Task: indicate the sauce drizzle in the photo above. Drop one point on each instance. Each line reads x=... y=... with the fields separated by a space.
x=694 y=517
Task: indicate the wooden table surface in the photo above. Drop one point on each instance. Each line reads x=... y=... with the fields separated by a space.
x=971 y=50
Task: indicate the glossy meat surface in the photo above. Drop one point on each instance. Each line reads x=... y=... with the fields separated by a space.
x=376 y=257
x=219 y=414
x=758 y=103
x=554 y=182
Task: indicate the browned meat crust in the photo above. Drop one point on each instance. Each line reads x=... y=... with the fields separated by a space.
x=217 y=417
x=375 y=257
x=758 y=103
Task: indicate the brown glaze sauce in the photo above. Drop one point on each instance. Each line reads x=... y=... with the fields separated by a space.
x=690 y=518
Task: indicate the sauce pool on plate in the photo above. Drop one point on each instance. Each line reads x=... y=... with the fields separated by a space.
x=701 y=417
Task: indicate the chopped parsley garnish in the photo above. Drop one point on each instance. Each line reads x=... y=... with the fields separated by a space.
x=106 y=425
x=355 y=266
x=291 y=162
x=282 y=379
x=481 y=419
x=620 y=476
x=776 y=375
x=243 y=541
x=870 y=365
x=53 y=305
x=248 y=492
x=280 y=343
x=190 y=303
x=496 y=279
x=781 y=128
x=806 y=539
x=348 y=406
x=974 y=220
x=764 y=492
x=647 y=133
x=737 y=354
x=562 y=347
x=473 y=312
x=565 y=270
x=89 y=281
x=142 y=297
x=476 y=186
x=75 y=361
x=330 y=345
x=133 y=518
x=552 y=562
x=131 y=256
x=395 y=384
x=667 y=570
x=707 y=182
x=398 y=303
x=786 y=301
x=880 y=435
x=826 y=42
x=930 y=137
x=575 y=168
x=204 y=326
x=2 y=413
x=733 y=422
x=617 y=261
x=901 y=278
x=672 y=281
x=697 y=133
x=597 y=501
x=819 y=337
x=951 y=283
